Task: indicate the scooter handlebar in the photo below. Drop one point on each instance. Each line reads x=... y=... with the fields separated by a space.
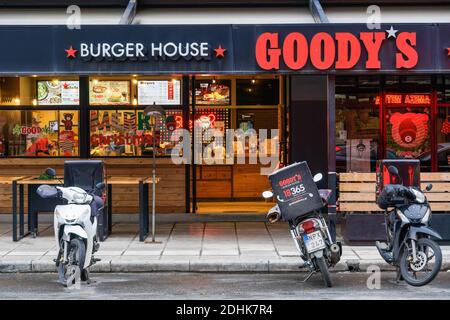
x=48 y=192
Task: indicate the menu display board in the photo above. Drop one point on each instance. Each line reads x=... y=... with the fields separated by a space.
x=109 y=92
x=161 y=92
x=58 y=92
x=210 y=92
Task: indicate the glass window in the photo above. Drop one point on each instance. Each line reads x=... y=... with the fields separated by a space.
x=160 y=92
x=39 y=133
x=106 y=92
x=211 y=123
x=213 y=92
x=408 y=132
x=257 y=92
x=443 y=139
x=56 y=92
x=357 y=124
x=403 y=84
x=443 y=89
x=127 y=132
x=27 y=91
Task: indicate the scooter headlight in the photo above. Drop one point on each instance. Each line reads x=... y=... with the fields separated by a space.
x=79 y=198
x=420 y=197
x=402 y=216
x=426 y=217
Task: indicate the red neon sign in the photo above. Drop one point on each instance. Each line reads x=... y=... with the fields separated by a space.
x=179 y=122
x=415 y=99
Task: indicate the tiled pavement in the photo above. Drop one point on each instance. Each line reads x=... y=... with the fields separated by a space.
x=193 y=246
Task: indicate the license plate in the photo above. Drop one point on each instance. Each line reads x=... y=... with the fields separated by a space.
x=313 y=241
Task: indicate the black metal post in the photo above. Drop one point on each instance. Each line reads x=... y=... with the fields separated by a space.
x=110 y=189
x=142 y=230
x=187 y=179
x=14 y=210
x=193 y=158
x=332 y=176
x=84 y=117
x=146 y=222
x=22 y=214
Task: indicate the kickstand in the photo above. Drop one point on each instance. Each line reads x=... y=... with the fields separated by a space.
x=399 y=277
x=308 y=276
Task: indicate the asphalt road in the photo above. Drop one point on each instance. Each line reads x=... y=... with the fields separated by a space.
x=217 y=286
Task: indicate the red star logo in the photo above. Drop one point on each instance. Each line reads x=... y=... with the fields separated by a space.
x=71 y=52
x=66 y=85
x=220 y=52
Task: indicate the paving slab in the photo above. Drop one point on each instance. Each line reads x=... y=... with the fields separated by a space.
x=194 y=247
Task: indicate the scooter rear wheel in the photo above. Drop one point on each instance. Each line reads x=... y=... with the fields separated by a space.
x=322 y=264
x=76 y=256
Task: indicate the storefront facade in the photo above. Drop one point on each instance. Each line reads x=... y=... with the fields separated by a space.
x=341 y=96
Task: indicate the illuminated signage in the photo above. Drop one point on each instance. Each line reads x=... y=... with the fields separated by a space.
x=341 y=50
x=410 y=99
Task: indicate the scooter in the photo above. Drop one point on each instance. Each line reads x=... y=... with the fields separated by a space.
x=408 y=245
x=75 y=225
x=312 y=238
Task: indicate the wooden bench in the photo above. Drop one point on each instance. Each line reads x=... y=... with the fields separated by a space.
x=357 y=191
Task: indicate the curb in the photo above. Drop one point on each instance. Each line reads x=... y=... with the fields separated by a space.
x=218 y=266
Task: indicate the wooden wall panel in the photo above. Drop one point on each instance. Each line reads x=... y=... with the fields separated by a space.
x=248 y=181
x=357 y=191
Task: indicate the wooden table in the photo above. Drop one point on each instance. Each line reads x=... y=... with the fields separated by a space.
x=143 y=184
x=12 y=180
x=32 y=210
x=104 y=221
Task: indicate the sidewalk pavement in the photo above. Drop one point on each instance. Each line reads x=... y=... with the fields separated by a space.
x=186 y=247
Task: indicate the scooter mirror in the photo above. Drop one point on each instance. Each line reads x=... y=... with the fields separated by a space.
x=267 y=194
x=429 y=187
x=318 y=177
x=393 y=170
x=100 y=186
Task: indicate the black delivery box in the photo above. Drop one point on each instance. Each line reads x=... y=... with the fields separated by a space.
x=295 y=190
x=408 y=170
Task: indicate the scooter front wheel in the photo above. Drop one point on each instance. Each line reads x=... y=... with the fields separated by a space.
x=427 y=266
x=322 y=264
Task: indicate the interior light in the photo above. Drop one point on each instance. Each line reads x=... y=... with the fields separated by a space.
x=95 y=81
x=34 y=102
x=135 y=81
x=17 y=101
x=135 y=102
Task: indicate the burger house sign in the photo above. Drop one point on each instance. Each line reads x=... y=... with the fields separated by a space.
x=137 y=51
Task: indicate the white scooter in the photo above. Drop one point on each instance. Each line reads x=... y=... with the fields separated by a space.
x=75 y=225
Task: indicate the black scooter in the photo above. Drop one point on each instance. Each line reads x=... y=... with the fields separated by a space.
x=409 y=246
x=317 y=248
